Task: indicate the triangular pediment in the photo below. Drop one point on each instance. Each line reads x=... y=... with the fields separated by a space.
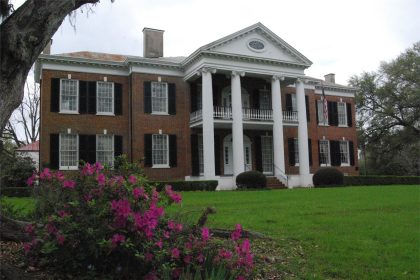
x=257 y=41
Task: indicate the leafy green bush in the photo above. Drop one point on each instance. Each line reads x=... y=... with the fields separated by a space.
x=381 y=180
x=125 y=168
x=106 y=226
x=209 y=185
x=16 y=191
x=14 y=169
x=251 y=180
x=328 y=176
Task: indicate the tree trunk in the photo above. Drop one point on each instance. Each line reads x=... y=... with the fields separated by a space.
x=24 y=34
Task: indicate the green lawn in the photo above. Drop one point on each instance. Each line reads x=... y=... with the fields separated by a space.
x=345 y=233
x=336 y=233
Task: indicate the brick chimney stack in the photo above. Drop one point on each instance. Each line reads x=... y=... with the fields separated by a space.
x=152 y=43
x=330 y=78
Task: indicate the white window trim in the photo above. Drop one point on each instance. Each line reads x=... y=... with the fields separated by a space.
x=345 y=115
x=74 y=112
x=167 y=153
x=166 y=113
x=112 y=146
x=272 y=155
x=348 y=154
x=329 y=154
x=113 y=100
x=296 y=140
x=321 y=123
x=60 y=167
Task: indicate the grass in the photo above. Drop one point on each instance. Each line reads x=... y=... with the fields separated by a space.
x=334 y=233
x=345 y=233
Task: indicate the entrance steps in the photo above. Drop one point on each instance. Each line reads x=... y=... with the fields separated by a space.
x=274 y=183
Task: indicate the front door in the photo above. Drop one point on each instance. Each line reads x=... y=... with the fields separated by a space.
x=228 y=158
x=247 y=156
x=228 y=155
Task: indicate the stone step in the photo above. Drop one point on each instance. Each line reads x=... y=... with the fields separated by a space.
x=274 y=183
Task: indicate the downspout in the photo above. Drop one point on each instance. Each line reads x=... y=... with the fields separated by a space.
x=130 y=116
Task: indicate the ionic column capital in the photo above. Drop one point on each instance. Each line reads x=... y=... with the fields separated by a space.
x=277 y=78
x=237 y=73
x=301 y=80
x=206 y=70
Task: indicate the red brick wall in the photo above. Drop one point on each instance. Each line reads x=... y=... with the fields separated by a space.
x=52 y=123
x=316 y=132
x=172 y=124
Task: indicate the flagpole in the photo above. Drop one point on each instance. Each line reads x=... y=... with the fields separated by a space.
x=325 y=113
x=324 y=109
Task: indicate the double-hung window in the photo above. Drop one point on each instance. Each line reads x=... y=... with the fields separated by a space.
x=159 y=98
x=294 y=103
x=105 y=149
x=104 y=98
x=324 y=152
x=267 y=154
x=160 y=150
x=265 y=100
x=344 y=153
x=68 y=152
x=69 y=95
x=342 y=114
x=321 y=114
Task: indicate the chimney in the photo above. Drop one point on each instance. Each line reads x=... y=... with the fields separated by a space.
x=47 y=49
x=330 y=78
x=152 y=43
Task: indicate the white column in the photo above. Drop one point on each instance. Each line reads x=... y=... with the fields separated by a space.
x=237 y=127
x=305 y=179
x=278 y=143
x=208 y=125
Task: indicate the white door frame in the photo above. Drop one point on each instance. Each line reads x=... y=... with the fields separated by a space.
x=228 y=154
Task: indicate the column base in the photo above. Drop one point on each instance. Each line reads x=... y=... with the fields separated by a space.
x=225 y=183
x=300 y=181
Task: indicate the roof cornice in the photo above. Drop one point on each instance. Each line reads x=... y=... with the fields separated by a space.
x=336 y=88
x=252 y=59
x=81 y=61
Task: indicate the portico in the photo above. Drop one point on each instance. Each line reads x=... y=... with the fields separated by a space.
x=235 y=117
x=235 y=85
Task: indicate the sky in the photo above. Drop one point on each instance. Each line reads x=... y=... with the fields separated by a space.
x=341 y=37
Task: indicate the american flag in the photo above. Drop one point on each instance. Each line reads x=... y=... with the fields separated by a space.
x=325 y=103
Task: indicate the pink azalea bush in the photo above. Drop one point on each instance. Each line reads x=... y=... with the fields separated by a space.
x=101 y=223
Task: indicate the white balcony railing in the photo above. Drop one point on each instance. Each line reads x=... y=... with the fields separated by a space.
x=290 y=116
x=225 y=113
x=257 y=114
x=196 y=116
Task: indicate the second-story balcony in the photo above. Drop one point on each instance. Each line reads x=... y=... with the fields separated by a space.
x=248 y=114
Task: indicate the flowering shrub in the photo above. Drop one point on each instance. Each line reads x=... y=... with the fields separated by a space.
x=99 y=223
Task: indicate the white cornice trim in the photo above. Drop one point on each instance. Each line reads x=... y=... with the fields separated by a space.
x=336 y=88
x=252 y=59
x=335 y=93
x=82 y=68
